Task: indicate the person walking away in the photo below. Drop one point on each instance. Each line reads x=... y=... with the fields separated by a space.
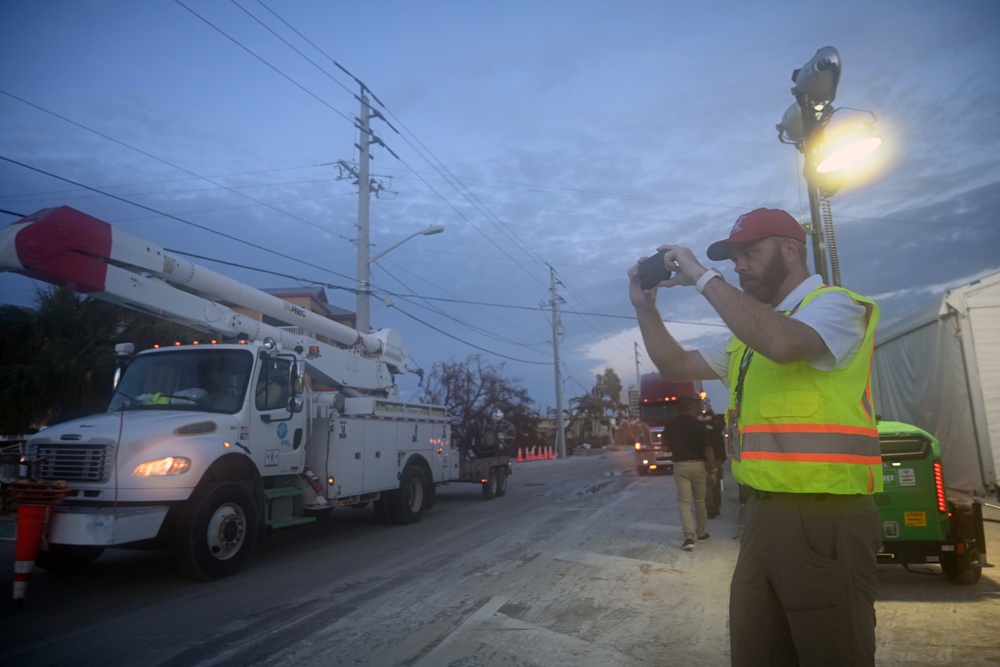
x=714 y=427
x=694 y=468
x=802 y=440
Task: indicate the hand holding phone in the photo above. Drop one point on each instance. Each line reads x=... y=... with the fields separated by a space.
x=652 y=271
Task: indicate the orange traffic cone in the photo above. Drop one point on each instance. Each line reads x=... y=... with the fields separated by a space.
x=31 y=520
x=520 y=458
x=548 y=453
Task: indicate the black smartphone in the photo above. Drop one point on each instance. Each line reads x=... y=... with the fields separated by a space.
x=652 y=272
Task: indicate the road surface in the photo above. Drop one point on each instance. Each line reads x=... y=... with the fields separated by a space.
x=578 y=565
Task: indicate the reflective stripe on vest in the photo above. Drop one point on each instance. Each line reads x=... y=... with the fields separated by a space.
x=809 y=431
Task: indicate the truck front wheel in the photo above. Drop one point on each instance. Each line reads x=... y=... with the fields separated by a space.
x=216 y=531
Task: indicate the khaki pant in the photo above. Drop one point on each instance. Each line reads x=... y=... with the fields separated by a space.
x=691 y=478
x=803 y=591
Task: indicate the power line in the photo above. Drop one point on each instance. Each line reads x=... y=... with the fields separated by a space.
x=168 y=215
x=160 y=160
x=435 y=163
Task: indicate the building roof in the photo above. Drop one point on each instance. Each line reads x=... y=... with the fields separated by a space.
x=318 y=296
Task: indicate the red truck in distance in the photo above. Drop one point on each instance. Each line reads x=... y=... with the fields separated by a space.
x=657 y=405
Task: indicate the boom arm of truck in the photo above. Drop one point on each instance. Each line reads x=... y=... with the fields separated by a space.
x=67 y=247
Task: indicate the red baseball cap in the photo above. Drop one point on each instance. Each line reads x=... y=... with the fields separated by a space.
x=755 y=225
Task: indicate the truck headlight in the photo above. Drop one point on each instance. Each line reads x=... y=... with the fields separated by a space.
x=171 y=465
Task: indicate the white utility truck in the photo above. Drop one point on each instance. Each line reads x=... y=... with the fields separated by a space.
x=205 y=445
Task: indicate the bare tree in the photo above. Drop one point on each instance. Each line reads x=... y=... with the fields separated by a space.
x=473 y=390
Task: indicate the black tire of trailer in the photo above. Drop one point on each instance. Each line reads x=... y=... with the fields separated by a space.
x=491 y=484
x=216 y=531
x=961 y=568
x=67 y=557
x=406 y=504
x=501 y=481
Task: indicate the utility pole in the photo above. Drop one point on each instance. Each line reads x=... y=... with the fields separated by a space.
x=554 y=303
x=638 y=377
x=363 y=319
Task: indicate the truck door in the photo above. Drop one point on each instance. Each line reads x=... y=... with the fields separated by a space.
x=279 y=431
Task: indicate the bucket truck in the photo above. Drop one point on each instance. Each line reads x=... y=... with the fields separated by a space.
x=205 y=445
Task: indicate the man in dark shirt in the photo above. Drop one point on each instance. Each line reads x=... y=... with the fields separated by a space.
x=694 y=470
x=715 y=426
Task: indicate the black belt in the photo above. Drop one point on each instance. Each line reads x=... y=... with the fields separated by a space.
x=747 y=492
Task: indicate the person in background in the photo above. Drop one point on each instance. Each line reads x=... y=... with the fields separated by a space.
x=802 y=440
x=714 y=426
x=694 y=470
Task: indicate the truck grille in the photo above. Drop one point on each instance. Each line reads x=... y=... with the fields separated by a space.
x=73 y=463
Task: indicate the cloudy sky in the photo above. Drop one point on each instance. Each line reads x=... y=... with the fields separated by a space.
x=550 y=137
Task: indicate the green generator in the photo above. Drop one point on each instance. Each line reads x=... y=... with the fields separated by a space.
x=920 y=523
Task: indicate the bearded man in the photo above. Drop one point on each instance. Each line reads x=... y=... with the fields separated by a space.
x=802 y=440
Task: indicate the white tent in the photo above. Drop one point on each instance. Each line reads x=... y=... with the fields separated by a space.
x=939 y=369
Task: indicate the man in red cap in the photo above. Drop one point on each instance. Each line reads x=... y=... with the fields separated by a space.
x=801 y=437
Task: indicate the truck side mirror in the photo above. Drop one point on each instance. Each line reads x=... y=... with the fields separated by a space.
x=298 y=379
x=123 y=357
x=296 y=403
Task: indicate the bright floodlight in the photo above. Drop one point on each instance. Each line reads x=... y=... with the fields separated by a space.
x=848 y=147
x=847 y=157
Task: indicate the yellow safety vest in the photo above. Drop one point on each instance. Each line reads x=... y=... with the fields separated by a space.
x=802 y=430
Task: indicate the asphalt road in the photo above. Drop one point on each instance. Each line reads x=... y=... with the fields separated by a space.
x=578 y=565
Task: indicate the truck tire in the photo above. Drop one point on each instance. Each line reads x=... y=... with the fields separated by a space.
x=406 y=504
x=961 y=568
x=216 y=531
x=430 y=495
x=490 y=485
x=67 y=557
x=501 y=481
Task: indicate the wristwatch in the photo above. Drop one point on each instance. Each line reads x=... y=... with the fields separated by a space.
x=705 y=277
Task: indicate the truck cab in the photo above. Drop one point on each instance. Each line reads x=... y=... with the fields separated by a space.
x=654 y=453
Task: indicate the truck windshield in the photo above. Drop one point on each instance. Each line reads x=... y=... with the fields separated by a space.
x=204 y=380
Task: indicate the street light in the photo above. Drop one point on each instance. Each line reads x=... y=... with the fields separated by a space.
x=364 y=263
x=827 y=163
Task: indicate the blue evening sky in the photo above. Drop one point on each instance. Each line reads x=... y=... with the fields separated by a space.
x=572 y=135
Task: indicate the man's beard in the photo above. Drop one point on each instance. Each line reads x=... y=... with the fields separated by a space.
x=766 y=286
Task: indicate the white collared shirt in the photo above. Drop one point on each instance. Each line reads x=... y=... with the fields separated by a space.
x=833 y=315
